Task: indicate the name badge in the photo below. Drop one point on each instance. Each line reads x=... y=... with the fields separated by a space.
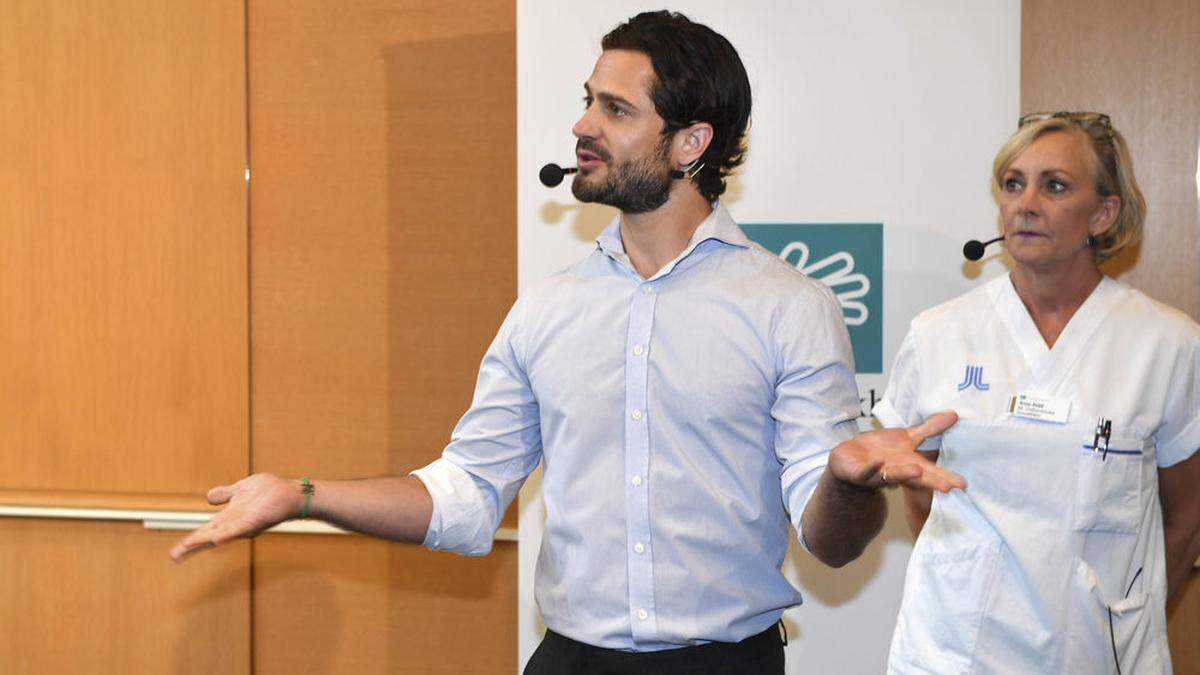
x=1041 y=408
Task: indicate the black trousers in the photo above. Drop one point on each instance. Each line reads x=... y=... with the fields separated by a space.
x=762 y=653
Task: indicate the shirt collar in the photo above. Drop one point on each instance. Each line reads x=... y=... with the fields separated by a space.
x=718 y=225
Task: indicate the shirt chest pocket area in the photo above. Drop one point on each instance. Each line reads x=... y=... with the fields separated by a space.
x=1110 y=485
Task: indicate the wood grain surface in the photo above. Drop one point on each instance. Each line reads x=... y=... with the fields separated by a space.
x=103 y=597
x=123 y=283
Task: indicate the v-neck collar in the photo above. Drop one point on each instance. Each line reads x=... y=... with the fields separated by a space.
x=1049 y=365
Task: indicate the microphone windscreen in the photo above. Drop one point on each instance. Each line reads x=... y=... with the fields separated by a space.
x=973 y=250
x=551 y=175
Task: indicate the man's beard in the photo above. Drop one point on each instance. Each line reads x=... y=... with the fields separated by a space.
x=638 y=185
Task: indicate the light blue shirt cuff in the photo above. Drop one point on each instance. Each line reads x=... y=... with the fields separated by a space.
x=809 y=482
x=462 y=521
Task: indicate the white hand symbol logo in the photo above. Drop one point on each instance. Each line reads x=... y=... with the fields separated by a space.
x=847 y=284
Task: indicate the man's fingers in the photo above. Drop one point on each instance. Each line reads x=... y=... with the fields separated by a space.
x=895 y=474
x=182 y=551
x=933 y=425
x=194 y=542
x=939 y=479
x=220 y=494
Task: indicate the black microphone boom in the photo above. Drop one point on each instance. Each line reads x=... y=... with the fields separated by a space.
x=552 y=174
x=973 y=250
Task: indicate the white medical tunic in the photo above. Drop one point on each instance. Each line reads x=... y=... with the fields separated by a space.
x=1051 y=561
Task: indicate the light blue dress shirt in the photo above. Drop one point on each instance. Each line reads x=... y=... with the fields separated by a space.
x=680 y=420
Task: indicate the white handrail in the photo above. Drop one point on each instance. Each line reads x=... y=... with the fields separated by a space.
x=182 y=520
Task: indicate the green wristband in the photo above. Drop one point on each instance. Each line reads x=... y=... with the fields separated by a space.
x=307 y=489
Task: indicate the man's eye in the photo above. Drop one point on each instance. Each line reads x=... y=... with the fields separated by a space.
x=587 y=102
x=615 y=109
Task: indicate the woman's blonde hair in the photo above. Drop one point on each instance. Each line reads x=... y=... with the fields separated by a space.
x=1113 y=176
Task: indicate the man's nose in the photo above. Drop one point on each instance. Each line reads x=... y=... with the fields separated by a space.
x=585 y=127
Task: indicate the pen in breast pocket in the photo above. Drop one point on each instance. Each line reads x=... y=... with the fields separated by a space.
x=1103 y=432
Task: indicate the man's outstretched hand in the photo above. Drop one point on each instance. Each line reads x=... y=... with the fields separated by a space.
x=889 y=457
x=253 y=504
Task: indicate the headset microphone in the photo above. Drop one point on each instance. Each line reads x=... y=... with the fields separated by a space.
x=552 y=174
x=973 y=250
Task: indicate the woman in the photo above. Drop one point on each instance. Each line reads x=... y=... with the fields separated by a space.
x=1078 y=402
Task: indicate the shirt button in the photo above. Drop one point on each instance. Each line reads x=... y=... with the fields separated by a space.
x=636 y=480
x=647 y=290
x=642 y=614
x=639 y=350
x=638 y=548
x=636 y=414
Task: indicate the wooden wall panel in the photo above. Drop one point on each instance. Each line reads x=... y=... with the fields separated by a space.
x=383 y=215
x=1183 y=627
x=1140 y=63
x=383 y=248
x=350 y=605
x=102 y=597
x=123 y=319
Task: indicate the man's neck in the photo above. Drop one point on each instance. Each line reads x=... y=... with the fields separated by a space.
x=656 y=238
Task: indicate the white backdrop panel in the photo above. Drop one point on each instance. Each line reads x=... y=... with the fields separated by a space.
x=865 y=111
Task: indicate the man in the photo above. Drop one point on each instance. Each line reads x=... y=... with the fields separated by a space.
x=682 y=386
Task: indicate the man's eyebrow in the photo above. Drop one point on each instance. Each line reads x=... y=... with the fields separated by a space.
x=605 y=97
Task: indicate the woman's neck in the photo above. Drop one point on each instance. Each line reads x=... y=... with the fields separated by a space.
x=1053 y=295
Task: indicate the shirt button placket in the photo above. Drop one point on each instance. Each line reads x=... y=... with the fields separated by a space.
x=637 y=465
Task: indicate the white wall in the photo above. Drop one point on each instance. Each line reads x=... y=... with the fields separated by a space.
x=864 y=111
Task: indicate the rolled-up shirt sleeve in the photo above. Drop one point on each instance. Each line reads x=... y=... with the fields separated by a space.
x=816 y=398
x=494 y=448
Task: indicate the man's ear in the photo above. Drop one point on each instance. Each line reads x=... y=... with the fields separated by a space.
x=690 y=143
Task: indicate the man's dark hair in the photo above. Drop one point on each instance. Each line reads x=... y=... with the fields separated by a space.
x=699 y=77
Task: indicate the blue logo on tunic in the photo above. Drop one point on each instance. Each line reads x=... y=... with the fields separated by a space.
x=974 y=378
x=847 y=257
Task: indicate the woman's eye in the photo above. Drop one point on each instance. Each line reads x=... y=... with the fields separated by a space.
x=1012 y=185
x=1055 y=186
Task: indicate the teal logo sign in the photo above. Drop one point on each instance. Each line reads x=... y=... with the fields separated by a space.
x=847 y=257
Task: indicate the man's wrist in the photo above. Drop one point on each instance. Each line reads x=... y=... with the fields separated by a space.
x=308 y=490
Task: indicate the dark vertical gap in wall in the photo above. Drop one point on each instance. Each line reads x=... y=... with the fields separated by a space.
x=249 y=319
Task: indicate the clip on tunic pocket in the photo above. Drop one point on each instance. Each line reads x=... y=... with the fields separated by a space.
x=1116 y=632
x=1108 y=495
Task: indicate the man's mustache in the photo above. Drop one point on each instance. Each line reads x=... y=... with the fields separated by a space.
x=589 y=146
